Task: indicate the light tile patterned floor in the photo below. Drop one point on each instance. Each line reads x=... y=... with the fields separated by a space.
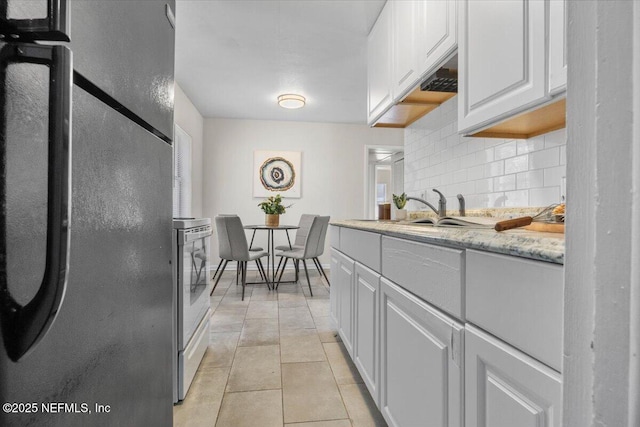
x=275 y=359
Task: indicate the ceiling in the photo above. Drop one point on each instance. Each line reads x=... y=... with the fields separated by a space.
x=233 y=58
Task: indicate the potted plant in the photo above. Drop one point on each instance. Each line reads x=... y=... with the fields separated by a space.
x=400 y=202
x=273 y=208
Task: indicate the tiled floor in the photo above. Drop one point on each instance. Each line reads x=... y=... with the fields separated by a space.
x=274 y=359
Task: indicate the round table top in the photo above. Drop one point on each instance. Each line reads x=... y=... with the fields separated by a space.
x=266 y=227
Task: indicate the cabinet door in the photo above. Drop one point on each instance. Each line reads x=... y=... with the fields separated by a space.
x=334 y=290
x=365 y=343
x=437 y=33
x=502 y=60
x=506 y=388
x=421 y=378
x=405 y=59
x=379 y=59
x=345 y=280
x=557 y=45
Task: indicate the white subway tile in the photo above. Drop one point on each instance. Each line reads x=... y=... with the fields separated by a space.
x=516 y=164
x=544 y=196
x=494 y=168
x=460 y=175
x=516 y=198
x=504 y=183
x=475 y=172
x=530 y=179
x=460 y=149
x=492 y=142
x=475 y=145
x=544 y=159
x=530 y=145
x=485 y=156
x=553 y=176
x=496 y=200
x=506 y=150
x=467 y=161
x=556 y=138
x=484 y=185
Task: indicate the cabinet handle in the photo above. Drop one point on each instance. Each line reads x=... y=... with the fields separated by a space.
x=54 y=27
x=23 y=326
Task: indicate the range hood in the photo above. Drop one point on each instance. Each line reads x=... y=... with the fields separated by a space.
x=426 y=97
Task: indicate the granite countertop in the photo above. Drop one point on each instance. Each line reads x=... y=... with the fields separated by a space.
x=522 y=243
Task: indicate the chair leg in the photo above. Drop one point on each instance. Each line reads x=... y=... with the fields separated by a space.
x=278 y=268
x=297 y=266
x=282 y=271
x=238 y=264
x=263 y=273
x=260 y=271
x=304 y=263
x=322 y=270
x=244 y=277
x=218 y=279
x=217 y=269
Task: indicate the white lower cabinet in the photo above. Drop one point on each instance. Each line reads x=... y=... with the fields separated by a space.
x=366 y=340
x=342 y=284
x=421 y=362
x=506 y=388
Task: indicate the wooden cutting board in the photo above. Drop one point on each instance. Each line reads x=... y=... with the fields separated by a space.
x=548 y=227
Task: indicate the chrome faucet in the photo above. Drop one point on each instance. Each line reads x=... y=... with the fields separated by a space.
x=442 y=204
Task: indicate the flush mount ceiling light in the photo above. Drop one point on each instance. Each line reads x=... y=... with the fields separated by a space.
x=291 y=101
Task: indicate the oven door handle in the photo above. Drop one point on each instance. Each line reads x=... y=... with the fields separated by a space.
x=23 y=326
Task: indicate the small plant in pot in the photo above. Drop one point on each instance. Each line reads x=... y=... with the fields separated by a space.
x=400 y=202
x=273 y=208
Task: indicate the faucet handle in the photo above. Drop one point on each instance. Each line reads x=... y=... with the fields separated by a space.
x=461 y=204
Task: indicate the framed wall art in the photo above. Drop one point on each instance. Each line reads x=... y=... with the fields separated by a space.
x=276 y=172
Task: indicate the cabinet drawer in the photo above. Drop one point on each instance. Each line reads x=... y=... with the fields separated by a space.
x=431 y=272
x=519 y=301
x=362 y=246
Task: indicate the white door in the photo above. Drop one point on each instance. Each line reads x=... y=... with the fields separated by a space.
x=421 y=371
x=366 y=318
x=506 y=388
x=502 y=60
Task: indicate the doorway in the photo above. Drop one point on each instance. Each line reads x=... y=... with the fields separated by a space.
x=384 y=177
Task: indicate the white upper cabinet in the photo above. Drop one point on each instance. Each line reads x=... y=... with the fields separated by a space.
x=502 y=60
x=557 y=43
x=379 y=56
x=437 y=30
x=405 y=37
x=424 y=34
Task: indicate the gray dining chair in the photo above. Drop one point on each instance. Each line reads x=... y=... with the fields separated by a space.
x=232 y=244
x=313 y=248
x=301 y=236
x=251 y=249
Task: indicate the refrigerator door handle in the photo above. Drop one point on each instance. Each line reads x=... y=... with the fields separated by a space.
x=54 y=27
x=23 y=326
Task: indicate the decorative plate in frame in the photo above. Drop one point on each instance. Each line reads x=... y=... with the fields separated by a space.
x=276 y=172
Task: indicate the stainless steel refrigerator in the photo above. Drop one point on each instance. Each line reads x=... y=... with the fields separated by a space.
x=86 y=292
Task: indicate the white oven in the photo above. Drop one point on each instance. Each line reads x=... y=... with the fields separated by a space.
x=192 y=308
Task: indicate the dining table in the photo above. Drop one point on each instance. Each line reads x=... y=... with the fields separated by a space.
x=271 y=262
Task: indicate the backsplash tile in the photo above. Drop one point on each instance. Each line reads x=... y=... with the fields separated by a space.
x=488 y=172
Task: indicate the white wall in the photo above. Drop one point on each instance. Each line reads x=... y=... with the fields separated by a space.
x=190 y=120
x=333 y=168
x=488 y=172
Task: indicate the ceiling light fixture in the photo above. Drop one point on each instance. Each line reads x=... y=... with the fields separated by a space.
x=291 y=101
